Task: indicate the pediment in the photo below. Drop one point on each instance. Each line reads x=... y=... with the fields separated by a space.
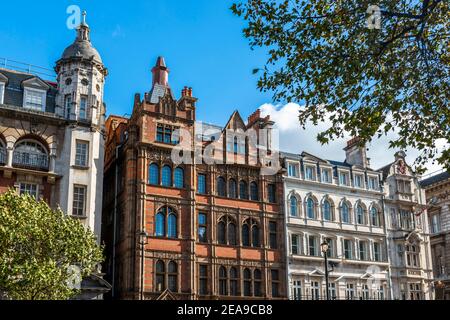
x=309 y=157
x=36 y=83
x=167 y=295
x=316 y=272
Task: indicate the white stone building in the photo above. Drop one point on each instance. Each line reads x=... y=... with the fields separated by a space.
x=408 y=232
x=341 y=203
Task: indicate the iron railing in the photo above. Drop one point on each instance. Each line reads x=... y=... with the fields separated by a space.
x=30 y=160
x=321 y=298
x=28 y=68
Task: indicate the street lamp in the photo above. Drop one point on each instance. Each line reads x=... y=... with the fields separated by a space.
x=143 y=241
x=324 y=248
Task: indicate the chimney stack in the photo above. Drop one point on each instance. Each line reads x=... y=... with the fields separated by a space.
x=186 y=92
x=355 y=153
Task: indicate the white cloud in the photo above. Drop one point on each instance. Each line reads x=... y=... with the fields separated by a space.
x=118 y=32
x=295 y=139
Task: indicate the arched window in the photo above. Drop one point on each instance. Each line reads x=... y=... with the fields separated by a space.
x=247 y=283
x=294 y=206
x=223 y=279
x=257 y=276
x=226 y=231
x=345 y=213
x=221 y=232
x=231 y=234
x=310 y=209
x=360 y=214
x=179 y=178
x=167 y=176
x=235 y=145
x=153 y=174
x=172 y=226
x=254 y=196
x=221 y=187
x=232 y=189
x=375 y=217
x=2 y=152
x=246 y=235
x=159 y=277
x=172 y=276
x=160 y=229
x=243 y=190
x=234 y=282
x=30 y=153
x=326 y=210
x=255 y=236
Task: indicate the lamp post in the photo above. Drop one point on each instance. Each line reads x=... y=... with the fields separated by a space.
x=324 y=248
x=143 y=241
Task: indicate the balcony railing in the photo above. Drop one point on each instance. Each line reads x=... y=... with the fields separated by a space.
x=2 y=156
x=30 y=160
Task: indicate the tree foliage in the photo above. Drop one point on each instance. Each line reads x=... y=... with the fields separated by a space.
x=38 y=249
x=369 y=79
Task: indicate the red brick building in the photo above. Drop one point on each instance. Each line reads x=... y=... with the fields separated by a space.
x=209 y=231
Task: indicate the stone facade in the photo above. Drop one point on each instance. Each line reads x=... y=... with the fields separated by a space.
x=189 y=231
x=438 y=198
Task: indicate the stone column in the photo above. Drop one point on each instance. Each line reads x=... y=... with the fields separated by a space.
x=9 y=153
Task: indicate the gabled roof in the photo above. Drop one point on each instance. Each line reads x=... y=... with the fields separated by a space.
x=35 y=82
x=158 y=91
x=313 y=157
x=235 y=122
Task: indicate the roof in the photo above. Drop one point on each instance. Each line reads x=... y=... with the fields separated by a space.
x=158 y=91
x=14 y=90
x=81 y=49
x=435 y=179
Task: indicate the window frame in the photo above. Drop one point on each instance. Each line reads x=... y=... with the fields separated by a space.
x=43 y=94
x=78 y=155
x=84 y=209
x=24 y=188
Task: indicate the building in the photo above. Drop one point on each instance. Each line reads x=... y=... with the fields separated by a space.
x=339 y=203
x=190 y=230
x=437 y=190
x=407 y=231
x=51 y=133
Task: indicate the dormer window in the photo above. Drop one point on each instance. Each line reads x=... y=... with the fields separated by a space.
x=343 y=178
x=326 y=175
x=373 y=183
x=359 y=181
x=309 y=173
x=34 y=99
x=2 y=92
x=293 y=170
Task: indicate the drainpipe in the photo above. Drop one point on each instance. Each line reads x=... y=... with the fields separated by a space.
x=116 y=174
x=286 y=237
x=383 y=208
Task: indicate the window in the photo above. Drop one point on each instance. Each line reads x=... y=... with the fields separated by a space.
x=221 y=187
x=226 y=231
x=315 y=290
x=404 y=186
x=343 y=179
x=345 y=213
x=312 y=246
x=326 y=175
x=243 y=190
x=275 y=277
x=202 y=225
x=358 y=181
x=293 y=170
x=406 y=220
x=415 y=291
x=363 y=252
x=331 y=248
x=247 y=283
x=373 y=183
x=365 y=295
x=310 y=209
x=271 y=193
x=203 y=279
x=29 y=153
x=412 y=256
x=254 y=191
x=294 y=244
x=2 y=92
x=294 y=206
x=380 y=293
x=166 y=223
x=172 y=276
x=201 y=184
x=79 y=201
x=374 y=217
x=250 y=225
x=81 y=153
x=257 y=276
x=273 y=235
x=435 y=223
x=68 y=104
x=297 y=290
x=153 y=174
x=35 y=99
x=179 y=178
x=246 y=235
x=166 y=134
x=234 y=282
x=348 y=249
x=160 y=275
x=83 y=107
x=223 y=279
x=350 y=291
x=377 y=252
x=360 y=214
x=166 y=176
x=326 y=210
x=309 y=173
x=29 y=188
x=232 y=188
x=332 y=291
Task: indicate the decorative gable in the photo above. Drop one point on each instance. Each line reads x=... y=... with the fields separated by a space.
x=235 y=122
x=35 y=83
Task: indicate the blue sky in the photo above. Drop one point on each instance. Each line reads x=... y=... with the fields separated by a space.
x=201 y=41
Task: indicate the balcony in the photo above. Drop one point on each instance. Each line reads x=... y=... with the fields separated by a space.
x=28 y=160
x=2 y=156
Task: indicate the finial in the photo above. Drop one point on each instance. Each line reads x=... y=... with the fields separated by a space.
x=84 y=16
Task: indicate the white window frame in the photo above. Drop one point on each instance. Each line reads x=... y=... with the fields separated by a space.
x=330 y=175
x=296 y=169
x=84 y=117
x=2 y=92
x=312 y=168
x=365 y=251
x=377 y=184
x=435 y=223
x=44 y=98
x=297 y=290
x=25 y=186
x=351 y=249
x=380 y=252
x=298 y=244
x=360 y=175
x=84 y=202
x=347 y=174
x=86 y=143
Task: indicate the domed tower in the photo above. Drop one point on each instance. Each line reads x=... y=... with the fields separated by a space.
x=81 y=77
